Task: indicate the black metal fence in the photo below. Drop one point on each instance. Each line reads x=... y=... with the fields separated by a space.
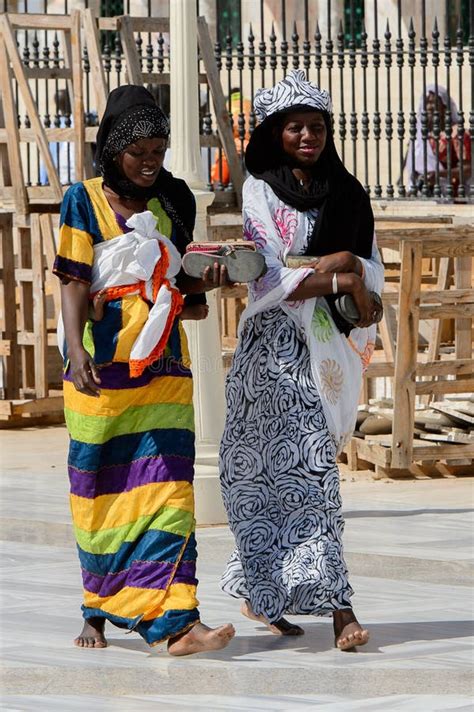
x=402 y=87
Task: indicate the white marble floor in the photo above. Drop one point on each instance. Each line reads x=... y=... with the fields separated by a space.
x=409 y=547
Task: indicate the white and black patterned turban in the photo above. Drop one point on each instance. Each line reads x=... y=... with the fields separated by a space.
x=294 y=90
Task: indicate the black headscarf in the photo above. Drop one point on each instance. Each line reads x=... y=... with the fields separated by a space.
x=345 y=220
x=131 y=114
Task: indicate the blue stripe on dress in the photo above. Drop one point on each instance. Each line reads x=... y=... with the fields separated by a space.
x=105 y=332
x=126 y=448
x=153 y=545
x=77 y=212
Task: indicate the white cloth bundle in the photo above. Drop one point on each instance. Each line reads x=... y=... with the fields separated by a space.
x=130 y=259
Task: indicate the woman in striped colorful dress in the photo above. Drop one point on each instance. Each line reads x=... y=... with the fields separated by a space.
x=128 y=385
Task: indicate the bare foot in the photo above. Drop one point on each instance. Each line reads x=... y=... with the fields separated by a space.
x=280 y=627
x=201 y=638
x=92 y=635
x=195 y=312
x=348 y=631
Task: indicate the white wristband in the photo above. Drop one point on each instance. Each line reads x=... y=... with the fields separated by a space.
x=335 y=288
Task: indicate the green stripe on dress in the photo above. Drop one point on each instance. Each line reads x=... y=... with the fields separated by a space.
x=108 y=541
x=98 y=429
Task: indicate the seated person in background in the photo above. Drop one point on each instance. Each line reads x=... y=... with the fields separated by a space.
x=439 y=155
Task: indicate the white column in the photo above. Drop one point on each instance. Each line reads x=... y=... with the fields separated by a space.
x=204 y=337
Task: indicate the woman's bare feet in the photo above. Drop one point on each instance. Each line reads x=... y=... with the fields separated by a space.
x=280 y=627
x=201 y=638
x=92 y=635
x=348 y=631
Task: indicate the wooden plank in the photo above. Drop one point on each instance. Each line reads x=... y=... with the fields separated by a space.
x=444 y=274
x=376 y=454
x=11 y=127
x=25 y=292
x=44 y=73
x=386 y=335
x=161 y=78
x=27 y=338
x=450 y=367
x=437 y=242
x=78 y=96
x=95 y=59
x=39 y=22
x=41 y=405
x=459 y=386
x=222 y=115
x=134 y=72
x=450 y=311
x=5 y=346
x=39 y=309
x=23 y=274
x=433 y=296
x=30 y=106
x=138 y=24
x=49 y=245
x=405 y=361
x=463 y=327
x=5 y=174
x=459 y=366
x=5 y=408
x=28 y=135
x=7 y=291
x=442 y=451
x=239 y=291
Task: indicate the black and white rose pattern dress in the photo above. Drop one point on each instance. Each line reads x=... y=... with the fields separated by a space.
x=279 y=478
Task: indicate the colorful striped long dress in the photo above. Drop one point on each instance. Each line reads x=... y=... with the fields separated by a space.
x=131 y=456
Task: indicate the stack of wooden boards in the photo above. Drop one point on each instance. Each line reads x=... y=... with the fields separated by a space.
x=446 y=421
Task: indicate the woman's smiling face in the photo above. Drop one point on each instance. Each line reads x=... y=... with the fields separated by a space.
x=141 y=161
x=304 y=136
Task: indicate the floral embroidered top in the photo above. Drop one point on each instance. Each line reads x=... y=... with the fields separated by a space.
x=279 y=230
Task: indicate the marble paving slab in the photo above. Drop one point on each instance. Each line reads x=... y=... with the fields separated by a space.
x=409 y=547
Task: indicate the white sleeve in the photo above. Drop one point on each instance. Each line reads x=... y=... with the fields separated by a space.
x=373 y=270
x=260 y=205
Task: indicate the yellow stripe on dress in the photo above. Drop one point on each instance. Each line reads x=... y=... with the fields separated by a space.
x=108 y=511
x=75 y=245
x=106 y=219
x=133 y=602
x=111 y=403
x=134 y=314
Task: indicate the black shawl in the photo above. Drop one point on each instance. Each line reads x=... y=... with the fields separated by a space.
x=345 y=220
x=132 y=113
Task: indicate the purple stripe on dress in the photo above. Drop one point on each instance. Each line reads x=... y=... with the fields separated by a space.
x=123 y=478
x=70 y=268
x=142 y=574
x=116 y=376
x=122 y=222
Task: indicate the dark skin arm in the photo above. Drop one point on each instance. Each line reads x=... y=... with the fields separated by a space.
x=74 y=306
x=320 y=285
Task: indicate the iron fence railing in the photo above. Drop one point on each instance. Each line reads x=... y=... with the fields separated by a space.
x=402 y=87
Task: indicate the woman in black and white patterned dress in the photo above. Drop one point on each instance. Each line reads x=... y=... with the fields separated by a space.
x=293 y=388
